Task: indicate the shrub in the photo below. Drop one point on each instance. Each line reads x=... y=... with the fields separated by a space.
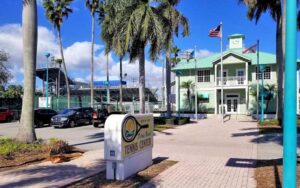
x=60 y=147
x=9 y=147
x=170 y=121
x=159 y=120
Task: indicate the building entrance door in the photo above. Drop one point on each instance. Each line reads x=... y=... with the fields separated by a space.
x=232 y=105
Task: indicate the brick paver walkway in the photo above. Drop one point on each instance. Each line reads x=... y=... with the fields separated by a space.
x=209 y=154
x=54 y=175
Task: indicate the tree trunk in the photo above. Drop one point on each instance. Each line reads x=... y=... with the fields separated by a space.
x=142 y=79
x=279 y=60
x=26 y=132
x=64 y=64
x=92 y=61
x=107 y=80
x=168 y=83
x=189 y=98
x=121 y=86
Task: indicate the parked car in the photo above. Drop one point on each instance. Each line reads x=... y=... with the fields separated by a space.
x=103 y=110
x=43 y=116
x=6 y=115
x=72 y=117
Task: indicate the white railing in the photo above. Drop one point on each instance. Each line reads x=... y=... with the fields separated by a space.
x=232 y=81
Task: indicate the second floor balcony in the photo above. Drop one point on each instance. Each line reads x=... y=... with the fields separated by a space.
x=232 y=81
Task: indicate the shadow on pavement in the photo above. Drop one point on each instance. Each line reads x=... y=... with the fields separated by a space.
x=96 y=135
x=55 y=175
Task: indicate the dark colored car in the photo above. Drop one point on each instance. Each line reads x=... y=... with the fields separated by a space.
x=43 y=116
x=103 y=110
x=72 y=117
x=6 y=115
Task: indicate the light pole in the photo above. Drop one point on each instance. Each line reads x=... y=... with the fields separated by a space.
x=290 y=118
x=47 y=78
x=178 y=73
x=262 y=69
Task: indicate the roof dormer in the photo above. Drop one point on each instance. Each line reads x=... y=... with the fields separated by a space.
x=236 y=41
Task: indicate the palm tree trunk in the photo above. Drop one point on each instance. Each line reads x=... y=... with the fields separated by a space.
x=26 y=132
x=121 y=86
x=92 y=61
x=142 y=79
x=168 y=83
x=65 y=68
x=279 y=60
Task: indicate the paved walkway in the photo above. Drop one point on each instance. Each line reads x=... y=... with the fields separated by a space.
x=208 y=155
x=54 y=175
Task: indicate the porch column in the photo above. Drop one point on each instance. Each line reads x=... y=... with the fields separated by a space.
x=216 y=67
x=247 y=88
x=216 y=101
x=176 y=86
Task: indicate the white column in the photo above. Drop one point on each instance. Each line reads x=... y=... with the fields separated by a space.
x=216 y=67
x=247 y=88
x=216 y=101
x=176 y=85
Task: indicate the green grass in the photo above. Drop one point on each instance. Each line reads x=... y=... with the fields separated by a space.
x=10 y=146
x=160 y=128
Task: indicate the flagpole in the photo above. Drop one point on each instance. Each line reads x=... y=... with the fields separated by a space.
x=221 y=39
x=257 y=80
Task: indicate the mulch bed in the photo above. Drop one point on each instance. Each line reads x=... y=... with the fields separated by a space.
x=268 y=173
x=23 y=159
x=99 y=180
x=34 y=157
x=263 y=129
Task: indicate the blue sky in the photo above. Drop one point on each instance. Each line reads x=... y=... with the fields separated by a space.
x=203 y=15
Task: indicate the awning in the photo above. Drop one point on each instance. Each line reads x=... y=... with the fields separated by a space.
x=203 y=95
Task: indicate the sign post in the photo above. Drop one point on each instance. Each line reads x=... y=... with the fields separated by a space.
x=289 y=120
x=128 y=144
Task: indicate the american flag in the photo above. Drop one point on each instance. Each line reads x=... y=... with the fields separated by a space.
x=216 y=32
x=251 y=49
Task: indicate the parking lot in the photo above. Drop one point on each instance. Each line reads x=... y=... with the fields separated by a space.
x=84 y=137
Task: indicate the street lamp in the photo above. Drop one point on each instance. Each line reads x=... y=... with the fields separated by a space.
x=262 y=69
x=47 y=78
x=178 y=74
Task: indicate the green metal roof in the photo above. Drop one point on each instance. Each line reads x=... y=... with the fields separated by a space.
x=208 y=62
x=237 y=35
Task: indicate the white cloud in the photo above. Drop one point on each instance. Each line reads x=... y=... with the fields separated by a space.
x=203 y=53
x=77 y=57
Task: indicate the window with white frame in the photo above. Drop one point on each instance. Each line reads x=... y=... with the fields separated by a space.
x=203 y=75
x=267 y=73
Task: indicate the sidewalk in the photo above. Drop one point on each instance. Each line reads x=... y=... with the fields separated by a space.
x=209 y=154
x=54 y=175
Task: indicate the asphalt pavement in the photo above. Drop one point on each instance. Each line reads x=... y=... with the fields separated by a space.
x=85 y=137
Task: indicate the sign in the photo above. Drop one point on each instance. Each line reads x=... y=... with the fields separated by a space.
x=136 y=134
x=128 y=143
x=43 y=102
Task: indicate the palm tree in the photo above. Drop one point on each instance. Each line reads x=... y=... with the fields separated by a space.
x=26 y=132
x=142 y=24
x=174 y=60
x=188 y=85
x=175 y=21
x=56 y=11
x=269 y=89
x=113 y=39
x=276 y=8
x=93 y=6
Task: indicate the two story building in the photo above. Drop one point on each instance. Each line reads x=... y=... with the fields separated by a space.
x=240 y=76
